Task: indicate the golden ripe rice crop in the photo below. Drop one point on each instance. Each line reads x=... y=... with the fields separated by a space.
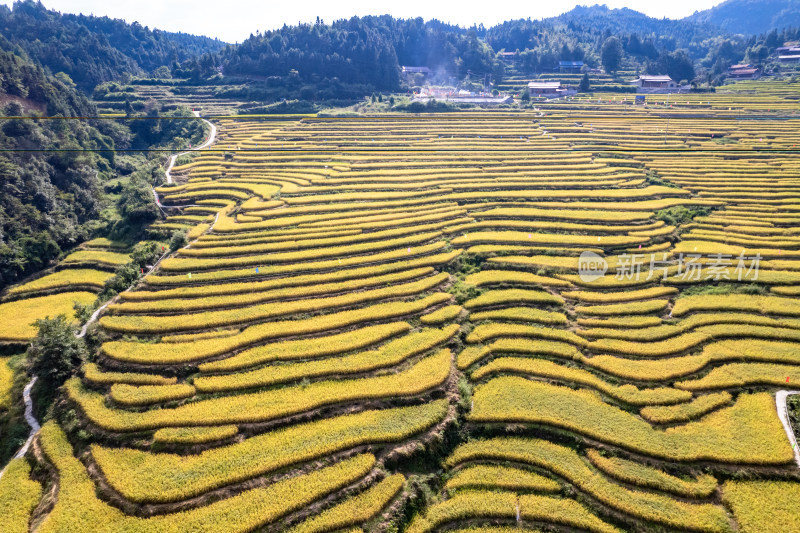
x=384 y=322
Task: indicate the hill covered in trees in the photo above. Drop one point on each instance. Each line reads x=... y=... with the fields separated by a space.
x=91 y=50
x=751 y=16
x=49 y=198
x=353 y=57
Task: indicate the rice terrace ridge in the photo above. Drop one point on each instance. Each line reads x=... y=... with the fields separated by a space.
x=389 y=275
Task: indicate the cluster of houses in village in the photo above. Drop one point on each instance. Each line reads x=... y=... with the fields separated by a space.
x=788 y=54
x=644 y=84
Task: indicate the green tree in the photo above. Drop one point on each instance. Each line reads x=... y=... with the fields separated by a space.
x=55 y=353
x=178 y=240
x=611 y=54
x=145 y=253
x=584 y=86
x=136 y=202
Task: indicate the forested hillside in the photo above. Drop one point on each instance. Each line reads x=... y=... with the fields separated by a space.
x=751 y=16
x=92 y=50
x=57 y=175
x=49 y=197
x=353 y=57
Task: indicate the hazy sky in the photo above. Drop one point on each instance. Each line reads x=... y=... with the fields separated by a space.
x=235 y=20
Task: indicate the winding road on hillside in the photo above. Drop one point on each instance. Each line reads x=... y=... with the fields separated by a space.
x=209 y=141
x=171 y=160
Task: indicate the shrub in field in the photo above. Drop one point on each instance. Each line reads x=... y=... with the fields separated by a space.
x=79 y=509
x=55 y=353
x=142 y=476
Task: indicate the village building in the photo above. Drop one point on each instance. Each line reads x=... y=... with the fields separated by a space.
x=657 y=84
x=570 y=67
x=509 y=58
x=545 y=88
x=744 y=72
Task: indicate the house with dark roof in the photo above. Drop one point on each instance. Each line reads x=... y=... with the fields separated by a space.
x=571 y=67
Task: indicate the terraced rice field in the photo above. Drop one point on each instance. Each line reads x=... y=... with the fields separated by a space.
x=370 y=304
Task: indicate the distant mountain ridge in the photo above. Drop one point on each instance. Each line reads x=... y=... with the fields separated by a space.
x=750 y=16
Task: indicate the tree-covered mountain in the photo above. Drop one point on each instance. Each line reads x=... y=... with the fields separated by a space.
x=750 y=16
x=49 y=195
x=91 y=50
x=60 y=176
x=362 y=53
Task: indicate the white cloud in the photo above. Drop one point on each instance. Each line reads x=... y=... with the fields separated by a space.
x=235 y=20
